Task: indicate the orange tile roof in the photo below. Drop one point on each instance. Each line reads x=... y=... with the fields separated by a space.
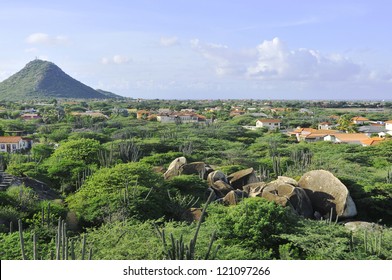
x=372 y=141
x=350 y=137
x=10 y=139
x=361 y=119
x=315 y=135
x=390 y=122
x=309 y=130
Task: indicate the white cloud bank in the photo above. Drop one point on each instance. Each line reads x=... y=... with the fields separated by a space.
x=168 y=41
x=116 y=59
x=46 y=39
x=272 y=60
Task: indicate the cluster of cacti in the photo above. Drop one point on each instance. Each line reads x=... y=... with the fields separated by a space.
x=129 y=151
x=65 y=247
x=82 y=176
x=276 y=165
x=177 y=249
x=126 y=151
x=389 y=176
x=106 y=157
x=372 y=242
x=180 y=203
x=264 y=174
x=186 y=148
x=301 y=159
x=45 y=217
x=166 y=135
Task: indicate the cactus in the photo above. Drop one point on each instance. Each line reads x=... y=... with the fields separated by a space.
x=21 y=240
x=34 y=247
x=58 y=240
x=63 y=248
x=389 y=176
x=84 y=247
x=178 y=250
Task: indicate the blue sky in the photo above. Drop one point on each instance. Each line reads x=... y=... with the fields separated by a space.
x=207 y=49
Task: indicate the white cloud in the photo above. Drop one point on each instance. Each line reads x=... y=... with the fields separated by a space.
x=272 y=60
x=120 y=59
x=276 y=61
x=225 y=61
x=31 y=50
x=46 y=39
x=116 y=59
x=168 y=41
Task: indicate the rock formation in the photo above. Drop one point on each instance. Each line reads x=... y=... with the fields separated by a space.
x=325 y=192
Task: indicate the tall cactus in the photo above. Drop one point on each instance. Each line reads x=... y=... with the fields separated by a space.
x=64 y=245
x=21 y=239
x=177 y=249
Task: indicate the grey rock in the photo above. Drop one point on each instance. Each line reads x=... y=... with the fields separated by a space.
x=325 y=192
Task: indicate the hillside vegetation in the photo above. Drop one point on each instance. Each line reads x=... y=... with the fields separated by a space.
x=42 y=79
x=109 y=198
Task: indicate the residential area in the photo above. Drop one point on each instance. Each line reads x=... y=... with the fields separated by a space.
x=105 y=167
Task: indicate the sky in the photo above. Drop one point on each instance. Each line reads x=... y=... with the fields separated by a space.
x=207 y=49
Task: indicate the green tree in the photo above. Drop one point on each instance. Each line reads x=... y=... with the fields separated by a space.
x=116 y=193
x=83 y=149
x=255 y=223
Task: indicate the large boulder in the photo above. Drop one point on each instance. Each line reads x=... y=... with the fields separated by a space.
x=254 y=189
x=216 y=176
x=221 y=188
x=233 y=197
x=195 y=168
x=243 y=177
x=287 y=180
x=174 y=168
x=327 y=192
x=289 y=195
x=192 y=214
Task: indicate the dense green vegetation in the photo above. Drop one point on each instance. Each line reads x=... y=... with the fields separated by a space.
x=107 y=177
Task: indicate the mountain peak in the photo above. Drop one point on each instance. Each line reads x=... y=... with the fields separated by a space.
x=41 y=79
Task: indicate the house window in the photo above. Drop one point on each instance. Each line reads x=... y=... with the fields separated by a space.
x=3 y=146
x=14 y=146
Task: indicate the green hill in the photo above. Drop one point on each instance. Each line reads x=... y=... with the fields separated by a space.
x=41 y=80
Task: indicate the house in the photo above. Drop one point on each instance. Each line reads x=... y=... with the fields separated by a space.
x=237 y=112
x=142 y=114
x=269 y=123
x=12 y=144
x=305 y=111
x=325 y=125
x=372 y=128
x=388 y=125
x=30 y=116
x=180 y=117
x=359 y=120
x=372 y=141
x=311 y=134
x=349 y=138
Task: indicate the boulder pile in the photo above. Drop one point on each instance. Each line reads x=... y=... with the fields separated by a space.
x=317 y=194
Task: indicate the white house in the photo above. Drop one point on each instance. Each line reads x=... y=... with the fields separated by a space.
x=180 y=117
x=325 y=125
x=349 y=138
x=12 y=144
x=388 y=125
x=269 y=123
x=359 y=120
